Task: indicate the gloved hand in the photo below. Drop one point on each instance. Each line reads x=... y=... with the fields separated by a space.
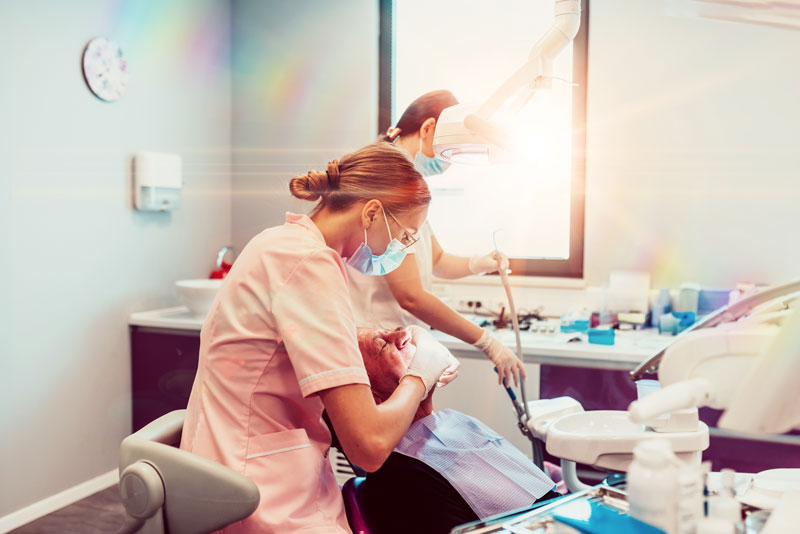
x=450 y=374
x=401 y=336
x=431 y=358
x=507 y=363
x=489 y=263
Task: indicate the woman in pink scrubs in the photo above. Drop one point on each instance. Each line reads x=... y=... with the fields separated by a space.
x=279 y=345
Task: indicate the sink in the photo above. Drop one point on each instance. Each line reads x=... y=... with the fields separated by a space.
x=606 y=438
x=197 y=295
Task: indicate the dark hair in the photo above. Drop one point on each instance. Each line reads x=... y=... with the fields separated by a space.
x=423 y=108
x=378 y=171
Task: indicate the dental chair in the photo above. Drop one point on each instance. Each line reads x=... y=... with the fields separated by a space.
x=167 y=490
x=356 y=517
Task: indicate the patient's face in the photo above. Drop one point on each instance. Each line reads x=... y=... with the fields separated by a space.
x=386 y=356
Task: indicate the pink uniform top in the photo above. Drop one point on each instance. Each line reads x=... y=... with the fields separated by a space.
x=280 y=329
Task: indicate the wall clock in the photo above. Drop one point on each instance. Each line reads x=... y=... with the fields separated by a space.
x=105 y=69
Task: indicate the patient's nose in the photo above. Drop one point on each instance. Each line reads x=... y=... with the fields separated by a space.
x=400 y=338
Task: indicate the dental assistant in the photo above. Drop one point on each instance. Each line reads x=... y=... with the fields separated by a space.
x=279 y=345
x=403 y=297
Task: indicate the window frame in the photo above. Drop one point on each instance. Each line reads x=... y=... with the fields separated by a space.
x=572 y=267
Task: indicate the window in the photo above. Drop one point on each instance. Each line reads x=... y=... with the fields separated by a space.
x=470 y=47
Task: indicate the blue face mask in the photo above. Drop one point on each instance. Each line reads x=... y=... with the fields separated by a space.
x=428 y=166
x=364 y=261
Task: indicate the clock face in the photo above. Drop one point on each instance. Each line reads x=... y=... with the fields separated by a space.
x=105 y=69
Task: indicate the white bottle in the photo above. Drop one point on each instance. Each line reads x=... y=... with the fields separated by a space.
x=714 y=525
x=653 y=485
x=724 y=505
x=690 y=497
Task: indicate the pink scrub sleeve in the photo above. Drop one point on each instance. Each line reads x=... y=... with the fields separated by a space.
x=315 y=321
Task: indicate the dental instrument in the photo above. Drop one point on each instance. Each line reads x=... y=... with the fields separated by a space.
x=522 y=414
x=523 y=417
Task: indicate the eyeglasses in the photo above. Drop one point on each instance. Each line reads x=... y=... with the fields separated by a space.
x=408 y=238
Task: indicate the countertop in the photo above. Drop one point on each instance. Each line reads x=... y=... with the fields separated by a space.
x=630 y=348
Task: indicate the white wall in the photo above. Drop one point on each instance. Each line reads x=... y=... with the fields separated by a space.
x=693 y=155
x=75 y=258
x=692 y=164
x=304 y=92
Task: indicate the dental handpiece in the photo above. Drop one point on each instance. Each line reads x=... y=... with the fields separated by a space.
x=514 y=319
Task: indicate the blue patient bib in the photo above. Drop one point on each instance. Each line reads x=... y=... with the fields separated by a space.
x=490 y=474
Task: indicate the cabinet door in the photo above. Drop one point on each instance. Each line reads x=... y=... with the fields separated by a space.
x=594 y=388
x=163 y=367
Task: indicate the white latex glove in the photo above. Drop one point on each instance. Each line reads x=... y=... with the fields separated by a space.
x=450 y=374
x=431 y=358
x=507 y=363
x=494 y=261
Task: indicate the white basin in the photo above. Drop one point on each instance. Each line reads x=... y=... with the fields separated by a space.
x=197 y=295
x=544 y=411
x=768 y=487
x=606 y=438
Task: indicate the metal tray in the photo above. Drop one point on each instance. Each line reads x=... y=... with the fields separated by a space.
x=539 y=520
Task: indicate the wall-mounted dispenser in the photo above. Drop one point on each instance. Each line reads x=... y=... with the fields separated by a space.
x=157 y=181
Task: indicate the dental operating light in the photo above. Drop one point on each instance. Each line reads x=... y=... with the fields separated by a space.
x=466 y=133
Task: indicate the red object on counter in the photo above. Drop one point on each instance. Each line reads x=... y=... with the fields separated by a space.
x=221 y=272
x=223 y=266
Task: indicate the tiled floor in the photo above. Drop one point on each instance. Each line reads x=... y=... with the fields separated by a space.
x=101 y=513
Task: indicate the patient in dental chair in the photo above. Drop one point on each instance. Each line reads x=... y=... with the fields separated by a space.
x=449 y=468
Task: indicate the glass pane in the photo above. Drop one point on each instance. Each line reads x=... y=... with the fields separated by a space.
x=470 y=47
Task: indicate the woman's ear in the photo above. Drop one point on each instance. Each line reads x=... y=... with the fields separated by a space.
x=427 y=129
x=369 y=213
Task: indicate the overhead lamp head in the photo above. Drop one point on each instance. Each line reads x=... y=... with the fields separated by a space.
x=464 y=133
x=463 y=137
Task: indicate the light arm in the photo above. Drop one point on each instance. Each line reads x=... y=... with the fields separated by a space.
x=464 y=131
x=540 y=60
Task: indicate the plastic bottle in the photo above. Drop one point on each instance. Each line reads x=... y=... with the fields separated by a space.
x=662 y=306
x=653 y=485
x=724 y=505
x=688 y=297
x=690 y=497
x=714 y=525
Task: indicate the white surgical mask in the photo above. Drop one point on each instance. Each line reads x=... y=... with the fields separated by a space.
x=364 y=261
x=428 y=166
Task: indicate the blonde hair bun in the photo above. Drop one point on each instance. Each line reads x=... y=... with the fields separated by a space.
x=378 y=171
x=316 y=184
x=310 y=186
